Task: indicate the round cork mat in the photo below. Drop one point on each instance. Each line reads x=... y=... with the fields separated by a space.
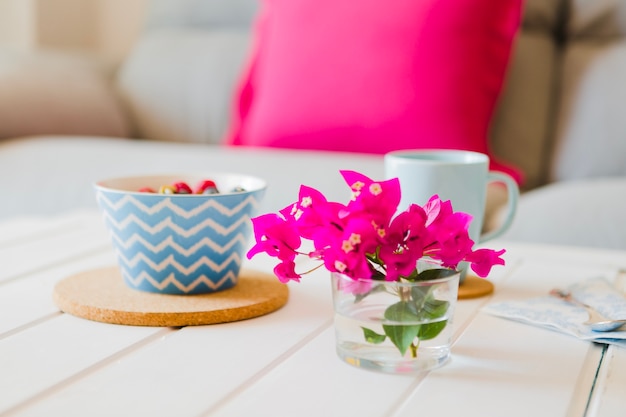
x=102 y=295
x=474 y=287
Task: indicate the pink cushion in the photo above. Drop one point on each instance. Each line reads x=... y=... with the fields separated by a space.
x=373 y=76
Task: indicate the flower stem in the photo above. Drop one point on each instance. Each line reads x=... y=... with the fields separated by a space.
x=312 y=269
x=414 y=346
x=405 y=294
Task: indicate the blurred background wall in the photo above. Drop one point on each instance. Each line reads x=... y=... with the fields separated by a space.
x=106 y=28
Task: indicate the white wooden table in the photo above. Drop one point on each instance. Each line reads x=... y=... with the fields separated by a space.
x=284 y=363
x=281 y=364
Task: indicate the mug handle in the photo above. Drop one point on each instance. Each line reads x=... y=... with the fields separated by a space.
x=512 y=195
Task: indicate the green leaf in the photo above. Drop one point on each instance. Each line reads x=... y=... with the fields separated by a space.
x=401 y=335
x=372 y=337
x=433 y=309
x=422 y=306
x=431 y=330
x=435 y=273
x=428 y=275
x=400 y=312
x=418 y=295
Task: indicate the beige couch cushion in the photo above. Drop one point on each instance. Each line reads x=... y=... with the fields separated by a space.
x=179 y=78
x=182 y=95
x=561 y=115
x=54 y=93
x=523 y=121
x=591 y=134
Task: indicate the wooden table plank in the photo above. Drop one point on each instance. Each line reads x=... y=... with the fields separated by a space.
x=191 y=371
x=501 y=368
x=37 y=253
x=285 y=363
x=609 y=399
x=29 y=299
x=31 y=227
x=315 y=382
x=55 y=351
x=52 y=247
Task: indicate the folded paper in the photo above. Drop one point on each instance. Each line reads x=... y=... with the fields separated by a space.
x=556 y=314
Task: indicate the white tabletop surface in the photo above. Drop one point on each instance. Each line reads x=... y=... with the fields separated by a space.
x=49 y=175
x=283 y=363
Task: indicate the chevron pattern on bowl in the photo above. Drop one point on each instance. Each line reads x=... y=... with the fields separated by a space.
x=180 y=243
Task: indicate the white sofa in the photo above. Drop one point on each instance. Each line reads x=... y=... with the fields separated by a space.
x=559 y=117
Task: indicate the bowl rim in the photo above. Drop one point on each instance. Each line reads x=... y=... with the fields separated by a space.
x=104 y=183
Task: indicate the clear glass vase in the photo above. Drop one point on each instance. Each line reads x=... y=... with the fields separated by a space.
x=395 y=327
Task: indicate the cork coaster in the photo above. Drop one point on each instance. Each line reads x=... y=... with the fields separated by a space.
x=474 y=287
x=102 y=295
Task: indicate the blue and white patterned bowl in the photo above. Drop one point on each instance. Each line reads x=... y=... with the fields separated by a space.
x=180 y=243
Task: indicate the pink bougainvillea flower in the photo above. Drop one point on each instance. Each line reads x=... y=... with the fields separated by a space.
x=286 y=271
x=451 y=238
x=378 y=198
x=408 y=228
x=347 y=252
x=398 y=263
x=448 y=232
x=482 y=260
x=432 y=208
x=404 y=242
x=351 y=265
x=438 y=211
x=359 y=232
x=363 y=239
x=274 y=236
x=304 y=212
x=314 y=217
x=333 y=216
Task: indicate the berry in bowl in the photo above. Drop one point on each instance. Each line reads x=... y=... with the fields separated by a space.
x=180 y=234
